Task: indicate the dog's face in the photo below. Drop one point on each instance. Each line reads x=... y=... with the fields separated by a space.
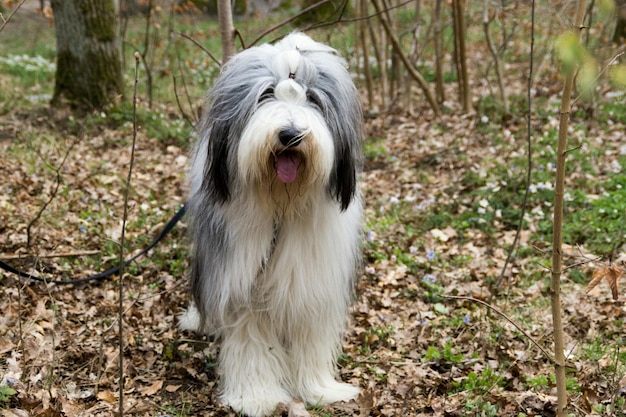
x=284 y=122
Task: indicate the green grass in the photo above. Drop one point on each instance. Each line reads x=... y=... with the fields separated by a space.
x=375 y=148
x=6 y=393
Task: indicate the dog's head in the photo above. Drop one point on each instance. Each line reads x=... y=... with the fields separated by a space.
x=282 y=120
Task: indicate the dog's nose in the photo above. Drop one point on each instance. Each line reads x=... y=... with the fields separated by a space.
x=290 y=137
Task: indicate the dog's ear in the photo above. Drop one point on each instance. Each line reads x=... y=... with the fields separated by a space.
x=344 y=119
x=343 y=178
x=216 y=176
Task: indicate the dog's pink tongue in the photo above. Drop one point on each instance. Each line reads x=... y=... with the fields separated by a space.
x=287 y=164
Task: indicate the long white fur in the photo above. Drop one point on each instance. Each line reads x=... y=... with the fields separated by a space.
x=277 y=279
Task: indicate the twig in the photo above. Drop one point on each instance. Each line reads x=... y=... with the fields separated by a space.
x=53 y=194
x=321 y=24
x=617 y=55
x=529 y=152
x=507 y=318
x=329 y=21
x=286 y=21
x=51 y=255
x=240 y=37
x=180 y=107
x=367 y=17
x=5 y=21
x=121 y=287
x=199 y=45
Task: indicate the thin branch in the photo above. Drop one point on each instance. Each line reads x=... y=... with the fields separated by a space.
x=54 y=192
x=604 y=69
x=529 y=152
x=333 y=22
x=329 y=21
x=52 y=255
x=240 y=37
x=180 y=106
x=286 y=21
x=199 y=45
x=122 y=237
x=5 y=21
x=376 y=14
x=507 y=318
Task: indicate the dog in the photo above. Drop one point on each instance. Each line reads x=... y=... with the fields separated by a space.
x=276 y=223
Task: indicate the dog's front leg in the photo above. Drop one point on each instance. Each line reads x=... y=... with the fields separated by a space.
x=253 y=363
x=313 y=364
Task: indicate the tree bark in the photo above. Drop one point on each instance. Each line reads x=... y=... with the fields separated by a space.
x=367 y=71
x=89 y=69
x=461 y=60
x=439 y=90
x=619 y=35
x=227 y=30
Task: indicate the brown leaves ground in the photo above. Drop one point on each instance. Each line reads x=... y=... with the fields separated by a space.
x=412 y=352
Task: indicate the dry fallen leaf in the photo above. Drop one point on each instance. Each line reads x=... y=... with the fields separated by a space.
x=612 y=273
x=106 y=396
x=172 y=388
x=153 y=389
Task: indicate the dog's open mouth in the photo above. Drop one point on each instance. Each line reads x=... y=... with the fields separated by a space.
x=287 y=164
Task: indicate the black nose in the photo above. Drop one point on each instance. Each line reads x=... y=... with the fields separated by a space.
x=290 y=137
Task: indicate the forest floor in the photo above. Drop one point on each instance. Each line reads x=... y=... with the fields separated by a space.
x=443 y=198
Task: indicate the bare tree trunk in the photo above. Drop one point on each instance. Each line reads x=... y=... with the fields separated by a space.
x=89 y=70
x=414 y=56
x=496 y=58
x=437 y=37
x=367 y=71
x=382 y=66
x=559 y=191
x=395 y=43
x=619 y=35
x=146 y=50
x=227 y=30
x=459 y=39
x=393 y=73
x=439 y=90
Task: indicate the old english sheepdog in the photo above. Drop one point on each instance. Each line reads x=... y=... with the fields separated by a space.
x=275 y=223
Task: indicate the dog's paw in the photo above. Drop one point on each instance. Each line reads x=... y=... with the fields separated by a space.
x=258 y=402
x=190 y=319
x=330 y=392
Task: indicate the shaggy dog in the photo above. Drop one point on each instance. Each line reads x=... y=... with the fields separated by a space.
x=276 y=223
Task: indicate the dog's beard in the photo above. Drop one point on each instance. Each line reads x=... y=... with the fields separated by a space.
x=285 y=179
x=289 y=181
